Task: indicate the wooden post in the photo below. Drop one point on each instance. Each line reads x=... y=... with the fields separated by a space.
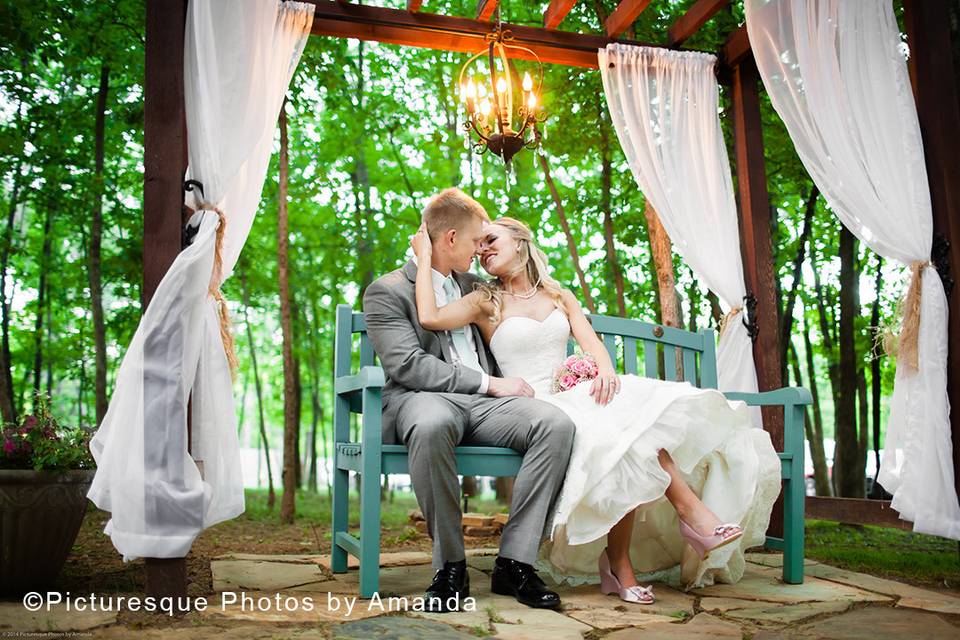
x=164 y=163
x=931 y=71
x=756 y=249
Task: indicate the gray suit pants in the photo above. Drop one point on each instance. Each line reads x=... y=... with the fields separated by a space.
x=431 y=424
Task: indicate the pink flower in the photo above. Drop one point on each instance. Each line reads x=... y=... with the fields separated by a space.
x=568 y=381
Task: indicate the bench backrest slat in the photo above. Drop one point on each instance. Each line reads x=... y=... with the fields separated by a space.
x=622 y=338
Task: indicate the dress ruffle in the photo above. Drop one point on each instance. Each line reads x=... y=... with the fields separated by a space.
x=614 y=469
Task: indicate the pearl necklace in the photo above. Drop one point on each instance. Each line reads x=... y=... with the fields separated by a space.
x=526 y=295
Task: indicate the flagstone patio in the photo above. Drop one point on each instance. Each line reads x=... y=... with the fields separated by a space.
x=832 y=603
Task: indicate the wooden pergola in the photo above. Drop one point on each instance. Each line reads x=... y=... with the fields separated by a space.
x=931 y=71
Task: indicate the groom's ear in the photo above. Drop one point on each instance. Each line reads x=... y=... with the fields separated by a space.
x=449 y=237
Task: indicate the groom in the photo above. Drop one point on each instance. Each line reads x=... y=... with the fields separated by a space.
x=443 y=389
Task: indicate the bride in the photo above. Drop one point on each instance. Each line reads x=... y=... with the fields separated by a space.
x=643 y=450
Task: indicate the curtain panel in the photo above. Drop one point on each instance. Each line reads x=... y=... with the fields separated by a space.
x=838 y=79
x=239 y=58
x=665 y=109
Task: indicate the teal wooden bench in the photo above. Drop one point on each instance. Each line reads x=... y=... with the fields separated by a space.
x=359 y=392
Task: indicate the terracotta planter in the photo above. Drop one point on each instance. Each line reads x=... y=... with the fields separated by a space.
x=40 y=515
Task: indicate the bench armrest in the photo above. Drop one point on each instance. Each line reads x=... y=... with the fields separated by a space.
x=787 y=396
x=368 y=378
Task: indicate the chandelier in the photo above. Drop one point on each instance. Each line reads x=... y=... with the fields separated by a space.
x=502 y=110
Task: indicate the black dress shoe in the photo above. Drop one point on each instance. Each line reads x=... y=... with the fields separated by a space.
x=450 y=587
x=518 y=579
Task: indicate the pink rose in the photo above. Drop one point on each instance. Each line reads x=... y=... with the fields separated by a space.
x=570 y=361
x=568 y=381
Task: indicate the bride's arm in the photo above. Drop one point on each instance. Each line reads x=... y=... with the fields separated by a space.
x=458 y=313
x=606 y=384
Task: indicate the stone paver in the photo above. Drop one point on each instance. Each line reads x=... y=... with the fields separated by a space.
x=910 y=596
x=398 y=628
x=669 y=602
x=880 y=623
x=784 y=614
x=768 y=587
x=15 y=617
x=239 y=575
x=702 y=627
x=394 y=559
x=537 y=624
x=773 y=559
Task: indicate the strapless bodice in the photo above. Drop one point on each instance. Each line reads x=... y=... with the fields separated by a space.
x=530 y=349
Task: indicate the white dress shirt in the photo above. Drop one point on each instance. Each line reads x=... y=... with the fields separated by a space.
x=441 y=297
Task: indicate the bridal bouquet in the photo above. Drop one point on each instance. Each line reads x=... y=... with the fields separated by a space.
x=572 y=371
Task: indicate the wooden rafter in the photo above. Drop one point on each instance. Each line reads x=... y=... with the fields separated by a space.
x=485 y=8
x=736 y=49
x=448 y=33
x=556 y=12
x=624 y=15
x=695 y=17
x=414 y=5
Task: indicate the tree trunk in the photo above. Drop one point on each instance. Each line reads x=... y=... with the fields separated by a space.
x=287 y=501
x=821 y=476
x=660 y=249
x=8 y=406
x=96 y=233
x=271 y=495
x=845 y=465
x=606 y=177
x=786 y=321
x=41 y=306
x=565 y=225
x=875 y=376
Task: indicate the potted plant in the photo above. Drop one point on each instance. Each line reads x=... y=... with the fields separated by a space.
x=45 y=473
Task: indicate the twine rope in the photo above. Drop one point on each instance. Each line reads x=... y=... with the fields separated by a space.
x=216 y=277
x=905 y=348
x=725 y=323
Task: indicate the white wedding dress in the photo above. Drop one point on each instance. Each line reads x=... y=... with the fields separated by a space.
x=613 y=468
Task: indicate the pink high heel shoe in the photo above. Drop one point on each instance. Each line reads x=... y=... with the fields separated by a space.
x=723 y=535
x=609 y=583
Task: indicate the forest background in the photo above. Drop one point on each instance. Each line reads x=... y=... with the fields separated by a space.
x=368 y=132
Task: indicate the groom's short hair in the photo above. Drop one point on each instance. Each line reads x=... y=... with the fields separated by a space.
x=451 y=209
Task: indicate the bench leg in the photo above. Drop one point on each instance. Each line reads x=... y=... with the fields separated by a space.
x=341 y=488
x=369 y=534
x=793 y=504
x=370 y=497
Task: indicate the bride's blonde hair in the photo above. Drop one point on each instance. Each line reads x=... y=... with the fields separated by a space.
x=531 y=260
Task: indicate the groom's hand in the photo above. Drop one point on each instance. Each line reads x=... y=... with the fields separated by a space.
x=503 y=387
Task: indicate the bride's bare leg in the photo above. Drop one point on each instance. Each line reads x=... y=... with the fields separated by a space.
x=618 y=551
x=685 y=501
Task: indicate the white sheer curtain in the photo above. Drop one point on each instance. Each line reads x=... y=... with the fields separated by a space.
x=664 y=106
x=838 y=80
x=239 y=58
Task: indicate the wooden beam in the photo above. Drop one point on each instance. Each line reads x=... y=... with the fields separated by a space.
x=414 y=5
x=756 y=247
x=556 y=12
x=164 y=163
x=448 y=33
x=695 y=17
x=931 y=71
x=854 y=511
x=485 y=9
x=736 y=49
x=624 y=16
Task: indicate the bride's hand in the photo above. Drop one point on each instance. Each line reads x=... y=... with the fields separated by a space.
x=605 y=386
x=420 y=241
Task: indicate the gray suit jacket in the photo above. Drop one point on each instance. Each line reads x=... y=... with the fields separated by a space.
x=413 y=358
